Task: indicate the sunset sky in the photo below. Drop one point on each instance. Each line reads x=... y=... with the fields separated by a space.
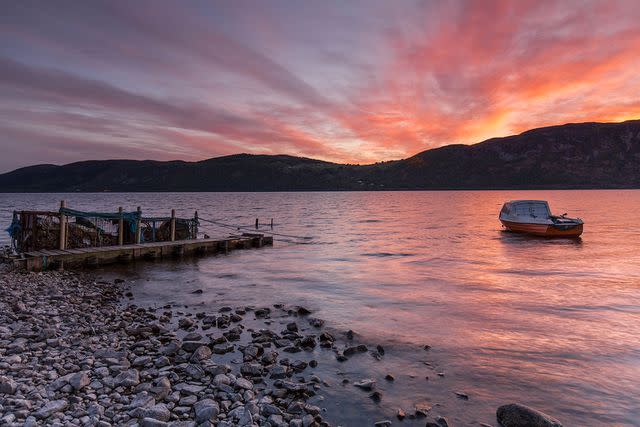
x=345 y=81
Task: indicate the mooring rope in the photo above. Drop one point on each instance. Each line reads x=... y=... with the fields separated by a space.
x=238 y=227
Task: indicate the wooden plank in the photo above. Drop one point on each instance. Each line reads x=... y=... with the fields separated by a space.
x=47 y=252
x=38 y=260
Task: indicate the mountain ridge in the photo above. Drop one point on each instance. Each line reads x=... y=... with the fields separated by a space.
x=573 y=155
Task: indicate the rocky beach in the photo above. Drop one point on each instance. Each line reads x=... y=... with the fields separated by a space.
x=75 y=351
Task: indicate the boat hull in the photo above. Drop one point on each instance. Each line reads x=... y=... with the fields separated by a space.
x=546 y=230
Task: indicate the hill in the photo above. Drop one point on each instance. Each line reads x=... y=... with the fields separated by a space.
x=584 y=155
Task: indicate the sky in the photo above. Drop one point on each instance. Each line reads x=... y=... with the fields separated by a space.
x=344 y=81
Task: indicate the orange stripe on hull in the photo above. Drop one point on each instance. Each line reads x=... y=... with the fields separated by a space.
x=542 y=229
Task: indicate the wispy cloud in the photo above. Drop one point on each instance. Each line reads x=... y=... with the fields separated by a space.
x=356 y=82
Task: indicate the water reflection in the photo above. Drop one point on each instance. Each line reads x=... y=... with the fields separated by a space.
x=552 y=323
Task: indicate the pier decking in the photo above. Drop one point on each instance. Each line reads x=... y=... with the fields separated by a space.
x=97 y=256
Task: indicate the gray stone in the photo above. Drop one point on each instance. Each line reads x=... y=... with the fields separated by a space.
x=206 y=410
x=7 y=385
x=142 y=399
x=79 y=380
x=366 y=384
x=201 y=353
x=128 y=378
x=244 y=383
x=158 y=412
x=51 y=408
x=161 y=388
x=269 y=409
x=141 y=361
x=517 y=415
x=152 y=422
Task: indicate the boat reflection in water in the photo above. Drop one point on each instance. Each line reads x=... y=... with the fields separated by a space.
x=534 y=217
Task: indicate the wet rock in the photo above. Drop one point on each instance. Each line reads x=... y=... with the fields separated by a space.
x=401 y=414
x=422 y=410
x=376 y=396
x=439 y=422
x=191 y=346
x=269 y=357
x=315 y=322
x=292 y=349
x=262 y=312
x=389 y=377
x=197 y=291
x=460 y=395
x=251 y=369
x=365 y=384
x=292 y=327
x=517 y=415
x=223 y=348
x=192 y=336
x=185 y=323
x=384 y=423
x=201 y=353
x=299 y=365
x=308 y=342
x=233 y=334
x=278 y=372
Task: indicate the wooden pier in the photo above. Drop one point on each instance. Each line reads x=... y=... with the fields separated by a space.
x=92 y=257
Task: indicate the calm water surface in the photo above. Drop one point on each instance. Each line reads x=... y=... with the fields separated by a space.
x=551 y=323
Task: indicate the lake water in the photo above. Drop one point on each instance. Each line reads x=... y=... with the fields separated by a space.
x=554 y=324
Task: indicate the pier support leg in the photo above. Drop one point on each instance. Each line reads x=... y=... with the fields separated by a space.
x=120 y=228
x=63 y=228
x=173 y=225
x=138 y=224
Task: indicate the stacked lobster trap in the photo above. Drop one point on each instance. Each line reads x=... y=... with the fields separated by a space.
x=74 y=229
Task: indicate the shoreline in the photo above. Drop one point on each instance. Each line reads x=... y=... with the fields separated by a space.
x=75 y=350
x=78 y=353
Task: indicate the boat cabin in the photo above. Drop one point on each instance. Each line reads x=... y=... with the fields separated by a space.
x=534 y=211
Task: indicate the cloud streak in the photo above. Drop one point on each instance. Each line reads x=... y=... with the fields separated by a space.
x=356 y=82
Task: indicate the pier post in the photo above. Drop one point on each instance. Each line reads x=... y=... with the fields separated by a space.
x=173 y=225
x=138 y=224
x=272 y=223
x=63 y=228
x=120 y=227
x=195 y=218
x=257 y=223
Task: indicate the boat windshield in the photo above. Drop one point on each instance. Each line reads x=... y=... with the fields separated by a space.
x=531 y=209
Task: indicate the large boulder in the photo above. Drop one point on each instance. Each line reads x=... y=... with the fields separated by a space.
x=516 y=415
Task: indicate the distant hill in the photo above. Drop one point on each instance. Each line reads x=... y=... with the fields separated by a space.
x=585 y=155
